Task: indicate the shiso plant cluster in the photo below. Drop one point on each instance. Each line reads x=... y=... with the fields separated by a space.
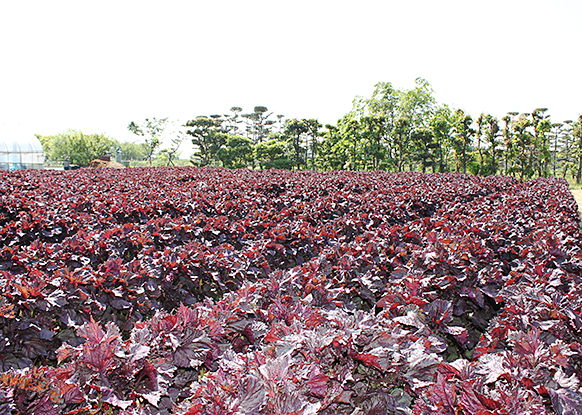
x=215 y=291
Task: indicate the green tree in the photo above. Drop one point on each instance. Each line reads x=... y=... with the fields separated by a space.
x=403 y=111
x=462 y=139
x=280 y=118
x=303 y=135
x=209 y=136
x=258 y=124
x=480 y=121
x=385 y=101
x=152 y=130
x=567 y=147
x=423 y=141
x=555 y=136
x=313 y=134
x=293 y=132
x=333 y=151
x=541 y=127
x=374 y=130
x=237 y=152
x=523 y=147
x=418 y=104
x=401 y=142
x=77 y=147
x=171 y=153
x=351 y=131
x=273 y=154
x=134 y=151
x=492 y=151
x=441 y=125
x=234 y=121
x=508 y=139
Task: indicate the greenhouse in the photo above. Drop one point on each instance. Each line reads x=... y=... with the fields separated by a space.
x=20 y=151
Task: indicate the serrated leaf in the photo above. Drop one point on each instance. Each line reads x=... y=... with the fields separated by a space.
x=566 y=402
x=252 y=395
x=192 y=350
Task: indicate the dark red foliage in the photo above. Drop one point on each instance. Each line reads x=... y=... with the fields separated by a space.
x=212 y=291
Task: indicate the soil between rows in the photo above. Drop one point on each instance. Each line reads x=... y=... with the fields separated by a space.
x=578 y=197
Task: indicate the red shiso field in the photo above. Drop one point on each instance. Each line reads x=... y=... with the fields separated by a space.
x=214 y=291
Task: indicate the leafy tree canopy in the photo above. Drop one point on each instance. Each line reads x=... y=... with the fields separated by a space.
x=152 y=130
x=273 y=154
x=77 y=147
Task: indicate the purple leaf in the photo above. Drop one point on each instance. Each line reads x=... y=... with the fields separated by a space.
x=460 y=333
x=252 y=395
x=111 y=398
x=566 y=402
x=440 y=312
x=317 y=382
x=193 y=349
x=444 y=391
x=492 y=366
x=43 y=406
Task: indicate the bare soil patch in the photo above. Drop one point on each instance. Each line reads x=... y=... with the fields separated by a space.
x=95 y=164
x=578 y=197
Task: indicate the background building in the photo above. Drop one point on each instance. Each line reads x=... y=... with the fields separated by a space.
x=20 y=150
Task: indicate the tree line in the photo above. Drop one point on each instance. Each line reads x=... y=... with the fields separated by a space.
x=80 y=149
x=393 y=130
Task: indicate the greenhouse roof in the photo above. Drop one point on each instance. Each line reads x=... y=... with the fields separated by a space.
x=19 y=149
x=19 y=143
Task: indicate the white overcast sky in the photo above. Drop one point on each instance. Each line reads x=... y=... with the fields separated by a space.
x=95 y=66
